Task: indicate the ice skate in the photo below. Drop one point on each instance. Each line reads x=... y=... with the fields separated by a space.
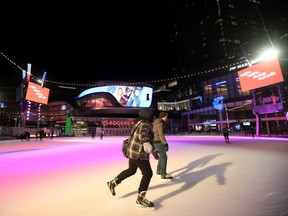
x=111 y=185
x=143 y=203
x=166 y=178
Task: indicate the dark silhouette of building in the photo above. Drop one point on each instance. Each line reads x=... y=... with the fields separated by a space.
x=207 y=34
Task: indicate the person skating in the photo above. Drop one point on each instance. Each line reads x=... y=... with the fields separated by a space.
x=138 y=157
x=101 y=134
x=161 y=145
x=225 y=131
x=92 y=134
x=252 y=129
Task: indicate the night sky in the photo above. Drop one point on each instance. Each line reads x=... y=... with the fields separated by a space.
x=73 y=42
x=76 y=42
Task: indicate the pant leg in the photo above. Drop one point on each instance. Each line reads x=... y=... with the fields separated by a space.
x=133 y=165
x=145 y=167
x=227 y=136
x=162 y=162
x=158 y=147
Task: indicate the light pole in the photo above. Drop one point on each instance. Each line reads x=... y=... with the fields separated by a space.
x=227 y=116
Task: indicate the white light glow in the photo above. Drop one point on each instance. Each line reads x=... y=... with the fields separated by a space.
x=268 y=54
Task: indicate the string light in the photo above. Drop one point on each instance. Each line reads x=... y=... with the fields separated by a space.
x=249 y=102
x=128 y=83
x=12 y=62
x=264 y=26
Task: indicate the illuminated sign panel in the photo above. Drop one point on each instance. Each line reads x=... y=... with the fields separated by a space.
x=37 y=93
x=123 y=96
x=260 y=75
x=119 y=123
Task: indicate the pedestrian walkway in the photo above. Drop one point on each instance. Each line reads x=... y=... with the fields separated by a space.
x=67 y=176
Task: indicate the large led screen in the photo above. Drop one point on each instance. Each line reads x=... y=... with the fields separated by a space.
x=37 y=93
x=260 y=75
x=123 y=96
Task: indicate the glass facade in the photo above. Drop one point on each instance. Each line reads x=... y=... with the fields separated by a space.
x=221 y=101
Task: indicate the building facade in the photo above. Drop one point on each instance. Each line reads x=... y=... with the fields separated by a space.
x=212 y=40
x=208 y=34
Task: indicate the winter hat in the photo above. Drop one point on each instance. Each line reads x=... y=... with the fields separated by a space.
x=146 y=113
x=163 y=114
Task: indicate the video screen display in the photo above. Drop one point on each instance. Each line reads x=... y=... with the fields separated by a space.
x=260 y=75
x=116 y=96
x=37 y=93
x=246 y=123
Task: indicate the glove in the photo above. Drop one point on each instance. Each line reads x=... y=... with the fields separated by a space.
x=166 y=147
x=148 y=148
x=155 y=154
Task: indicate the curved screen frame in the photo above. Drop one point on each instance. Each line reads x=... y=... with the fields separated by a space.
x=126 y=96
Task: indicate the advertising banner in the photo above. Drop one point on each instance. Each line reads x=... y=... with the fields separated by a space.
x=37 y=93
x=123 y=96
x=260 y=75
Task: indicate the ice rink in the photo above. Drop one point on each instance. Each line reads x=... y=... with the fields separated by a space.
x=68 y=176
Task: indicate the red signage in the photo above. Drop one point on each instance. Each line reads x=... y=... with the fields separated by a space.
x=260 y=75
x=109 y=123
x=37 y=93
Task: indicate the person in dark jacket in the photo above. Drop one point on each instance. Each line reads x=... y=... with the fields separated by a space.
x=161 y=145
x=225 y=131
x=27 y=135
x=101 y=134
x=141 y=145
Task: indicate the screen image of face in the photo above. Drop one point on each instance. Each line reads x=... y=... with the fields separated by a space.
x=126 y=96
x=260 y=75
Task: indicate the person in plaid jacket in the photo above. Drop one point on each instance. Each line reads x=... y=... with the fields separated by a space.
x=141 y=145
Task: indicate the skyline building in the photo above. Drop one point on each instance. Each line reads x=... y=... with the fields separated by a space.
x=211 y=33
x=212 y=40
